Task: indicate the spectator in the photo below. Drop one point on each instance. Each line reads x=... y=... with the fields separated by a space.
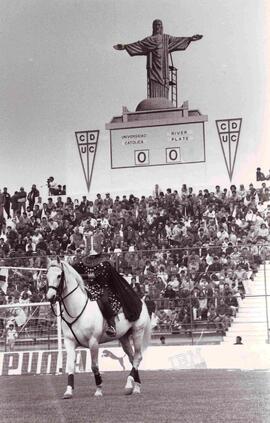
x=169 y=292
x=2 y=202
x=259 y=175
x=185 y=317
x=21 y=200
x=32 y=196
x=11 y=237
x=211 y=316
x=194 y=261
x=11 y=336
x=7 y=201
x=215 y=267
x=203 y=305
x=4 y=248
x=162 y=340
x=174 y=282
x=222 y=319
x=150 y=304
x=263 y=232
x=232 y=303
x=238 y=341
x=53 y=186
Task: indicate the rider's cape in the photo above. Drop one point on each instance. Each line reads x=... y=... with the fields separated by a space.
x=130 y=301
x=106 y=275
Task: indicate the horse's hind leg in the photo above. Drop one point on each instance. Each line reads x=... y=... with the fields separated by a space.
x=137 y=342
x=133 y=384
x=126 y=345
x=95 y=369
x=70 y=347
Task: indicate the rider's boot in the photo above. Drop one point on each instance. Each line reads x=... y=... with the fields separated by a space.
x=111 y=330
x=108 y=314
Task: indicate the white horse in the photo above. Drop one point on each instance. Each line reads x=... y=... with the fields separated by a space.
x=83 y=324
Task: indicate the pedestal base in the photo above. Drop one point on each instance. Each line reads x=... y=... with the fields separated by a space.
x=155 y=103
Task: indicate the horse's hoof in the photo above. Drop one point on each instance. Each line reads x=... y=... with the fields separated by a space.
x=67 y=395
x=129 y=385
x=98 y=393
x=137 y=388
x=128 y=391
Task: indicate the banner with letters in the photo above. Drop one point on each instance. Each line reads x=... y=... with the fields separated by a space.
x=229 y=134
x=87 y=145
x=163 y=357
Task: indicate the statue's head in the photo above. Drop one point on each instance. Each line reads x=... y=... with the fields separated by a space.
x=157 y=27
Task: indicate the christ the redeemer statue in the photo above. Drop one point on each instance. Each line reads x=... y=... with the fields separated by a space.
x=157 y=48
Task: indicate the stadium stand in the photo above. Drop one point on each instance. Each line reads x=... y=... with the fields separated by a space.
x=192 y=255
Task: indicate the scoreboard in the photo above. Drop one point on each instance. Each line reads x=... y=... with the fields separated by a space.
x=157 y=145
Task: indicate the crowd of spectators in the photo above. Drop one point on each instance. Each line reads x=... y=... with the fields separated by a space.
x=192 y=254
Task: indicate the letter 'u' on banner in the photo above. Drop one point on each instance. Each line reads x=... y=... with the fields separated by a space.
x=229 y=134
x=87 y=145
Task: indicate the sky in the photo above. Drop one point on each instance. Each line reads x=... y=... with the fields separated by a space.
x=60 y=74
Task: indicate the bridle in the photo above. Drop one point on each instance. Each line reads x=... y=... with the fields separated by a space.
x=59 y=289
x=61 y=299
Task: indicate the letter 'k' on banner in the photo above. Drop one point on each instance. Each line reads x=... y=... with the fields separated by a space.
x=87 y=146
x=229 y=134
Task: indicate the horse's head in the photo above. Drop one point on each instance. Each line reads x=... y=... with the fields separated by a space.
x=56 y=278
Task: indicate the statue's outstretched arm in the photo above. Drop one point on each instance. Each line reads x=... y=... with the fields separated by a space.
x=119 y=46
x=196 y=37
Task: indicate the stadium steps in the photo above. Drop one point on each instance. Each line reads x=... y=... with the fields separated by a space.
x=251 y=320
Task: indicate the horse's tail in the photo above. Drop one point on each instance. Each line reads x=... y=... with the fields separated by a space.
x=147 y=330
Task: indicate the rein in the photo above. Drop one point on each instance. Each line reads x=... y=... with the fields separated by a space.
x=62 y=304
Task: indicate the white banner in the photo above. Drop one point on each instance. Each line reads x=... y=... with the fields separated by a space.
x=155 y=358
x=158 y=145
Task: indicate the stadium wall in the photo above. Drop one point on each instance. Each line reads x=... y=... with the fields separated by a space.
x=255 y=357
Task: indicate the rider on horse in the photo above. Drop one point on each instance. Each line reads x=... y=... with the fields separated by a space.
x=106 y=286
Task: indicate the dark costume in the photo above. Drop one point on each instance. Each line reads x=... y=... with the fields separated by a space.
x=106 y=286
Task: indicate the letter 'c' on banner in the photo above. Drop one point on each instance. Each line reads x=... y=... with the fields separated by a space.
x=82 y=138
x=223 y=126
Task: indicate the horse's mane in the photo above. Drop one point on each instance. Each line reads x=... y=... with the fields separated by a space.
x=68 y=268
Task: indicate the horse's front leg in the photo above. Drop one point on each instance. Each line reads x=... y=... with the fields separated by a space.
x=93 y=345
x=70 y=348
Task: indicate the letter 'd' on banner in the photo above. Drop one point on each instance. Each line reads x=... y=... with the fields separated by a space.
x=229 y=134
x=87 y=145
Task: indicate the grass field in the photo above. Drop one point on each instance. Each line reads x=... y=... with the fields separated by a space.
x=193 y=396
